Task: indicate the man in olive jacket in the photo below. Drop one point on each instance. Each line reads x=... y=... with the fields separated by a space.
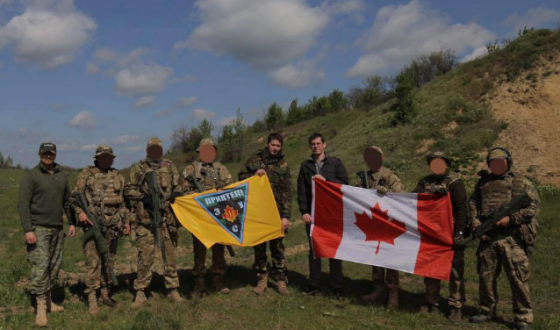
x=44 y=195
x=322 y=167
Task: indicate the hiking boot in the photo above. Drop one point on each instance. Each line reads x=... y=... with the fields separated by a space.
x=262 y=284
x=174 y=296
x=454 y=315
x=393 y=299
x=140 y=299
x=199 y=287
x=429 y=308
x=218 y=285
x=52 y=307
x=93 y=309
x=481 y=318
x=41 y=317
x=106 y=299
x=379 y=295
x=523 y=326
x=310 y=290
x=282 y=286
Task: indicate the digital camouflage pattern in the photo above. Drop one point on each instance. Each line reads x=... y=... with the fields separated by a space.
x=505 y=247
x=136 y=191
x=104 y=194
x=392 y=183
x=45 y=258
x=209 y=176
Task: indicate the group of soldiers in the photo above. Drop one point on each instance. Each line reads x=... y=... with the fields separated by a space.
x=123 y=207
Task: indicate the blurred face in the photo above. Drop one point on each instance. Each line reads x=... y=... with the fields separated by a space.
x=373 y=159
x=317 y=146
x=498 y=166
x=438 y=166
x=105 y=161
x=207 y=153
x=47 y=159
x=155 y=152
x=274 y=147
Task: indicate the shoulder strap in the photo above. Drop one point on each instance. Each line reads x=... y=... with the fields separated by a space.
x=197 y=169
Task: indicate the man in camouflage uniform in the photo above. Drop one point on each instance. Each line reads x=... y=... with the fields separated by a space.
x=137 y=191
x=270 y=161
x=44 y=196
x=506 y=246
x=383 y=180
x=103 y=188
x=442 y=182
x=203 y=175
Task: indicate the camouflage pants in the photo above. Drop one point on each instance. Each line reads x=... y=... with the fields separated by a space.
x=456 y=284
x=97 y=272
x=45 y=258
x=381 y=275
x=146 y=246
x=277 y=250
x=218 y=259
x=505 y=253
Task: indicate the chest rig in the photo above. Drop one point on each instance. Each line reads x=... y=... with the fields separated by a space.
x=164 y=174
x=104 y=188
x=433 y=183
x=210 y=176
x=497 y=191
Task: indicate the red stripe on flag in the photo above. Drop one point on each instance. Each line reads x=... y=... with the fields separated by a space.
x=435 y=223
x=328 y=219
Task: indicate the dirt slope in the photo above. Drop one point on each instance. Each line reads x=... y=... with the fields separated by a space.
x=531 y=107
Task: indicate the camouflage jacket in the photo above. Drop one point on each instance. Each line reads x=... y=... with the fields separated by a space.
x=279 y=175
x=137 y=189
x=104 y=194
x=209 y=176
x=382 y=178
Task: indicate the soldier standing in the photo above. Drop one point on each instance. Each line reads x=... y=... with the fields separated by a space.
x=138 y=193
x=383 y=180
x=442 y=182
x=506 y=246
x=207 y=174
x=270 y=161
x=44 y=196
x=103 y=188
x=322 y=167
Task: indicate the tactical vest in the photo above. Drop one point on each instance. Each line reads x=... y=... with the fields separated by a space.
x=104 y=188
x=372 y=183
x=432 y=183
x=209 y=176
x=164 y=174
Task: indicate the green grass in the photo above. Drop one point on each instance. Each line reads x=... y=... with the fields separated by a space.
x=243 y=310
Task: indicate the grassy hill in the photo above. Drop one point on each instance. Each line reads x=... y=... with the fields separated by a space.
x=454 y=116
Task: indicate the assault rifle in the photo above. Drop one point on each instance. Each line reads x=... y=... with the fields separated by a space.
x=158 y=208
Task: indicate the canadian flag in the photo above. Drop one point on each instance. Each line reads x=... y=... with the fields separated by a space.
x=408 y=232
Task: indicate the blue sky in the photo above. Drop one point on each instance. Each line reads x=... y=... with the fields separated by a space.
x=82 y=73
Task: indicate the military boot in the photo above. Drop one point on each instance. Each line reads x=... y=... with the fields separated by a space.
x=481 y=318
x=51 y=306
x=107 y=300
x=454 y=315
x=429 y=308
x=218 y=284
x=379 y=295
x=262 y=284
x=174 y=296
x=393 y=300
x=140 y=299
x=199 y=286
x=41 y=317
x=282 y=286
x=93 y=309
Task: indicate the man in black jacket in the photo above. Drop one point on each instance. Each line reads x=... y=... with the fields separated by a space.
x=321 y=167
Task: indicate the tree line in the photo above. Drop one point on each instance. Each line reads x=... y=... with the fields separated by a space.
x=8 y=163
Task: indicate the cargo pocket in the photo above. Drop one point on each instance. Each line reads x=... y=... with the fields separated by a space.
x=521 y=266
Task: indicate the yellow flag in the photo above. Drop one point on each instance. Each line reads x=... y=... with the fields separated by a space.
x=243 y=214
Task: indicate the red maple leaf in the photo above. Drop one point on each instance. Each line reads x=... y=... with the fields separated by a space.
x=379 y=227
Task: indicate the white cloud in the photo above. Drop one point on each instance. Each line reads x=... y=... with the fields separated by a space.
x=134 y=149
x=535 y=17
x=124 y=139
x=223 y=122
x=200 y=114
x=302 y=74
x=403 y=32
x=88 y=147
x=84 y=119
x=49 y=33
x=92 y=68
x=263 y=33
x=344 y=6
x=66 y=146
x=145 y=101
x=184 y=102
x=477 y=53
x=142 y=79
x=105 y=55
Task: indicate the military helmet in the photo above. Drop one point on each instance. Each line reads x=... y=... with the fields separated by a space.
x=154 y=142
x=499 y=153
x=104 y=149
x=376 y=149
x=207 y=142
x=437 y=154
